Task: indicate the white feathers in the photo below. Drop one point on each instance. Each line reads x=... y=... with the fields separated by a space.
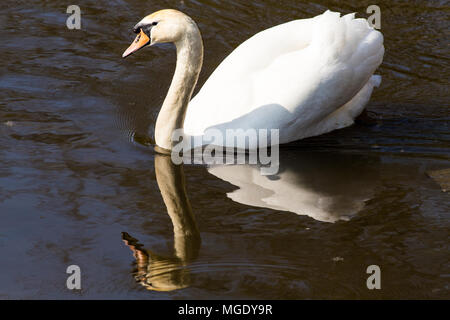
x=292 y=77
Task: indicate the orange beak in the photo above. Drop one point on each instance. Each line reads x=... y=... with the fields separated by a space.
x=141 y=41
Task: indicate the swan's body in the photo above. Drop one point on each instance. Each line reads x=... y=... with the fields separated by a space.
x=305 y=77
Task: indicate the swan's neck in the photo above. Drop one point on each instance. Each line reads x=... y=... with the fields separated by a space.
x=173 y=110
x=171 y=182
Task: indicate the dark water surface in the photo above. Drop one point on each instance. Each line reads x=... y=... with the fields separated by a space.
x=73 y=177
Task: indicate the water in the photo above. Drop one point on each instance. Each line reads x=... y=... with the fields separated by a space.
x=78 y=182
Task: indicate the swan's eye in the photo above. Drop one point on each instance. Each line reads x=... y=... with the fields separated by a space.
x=146 y=28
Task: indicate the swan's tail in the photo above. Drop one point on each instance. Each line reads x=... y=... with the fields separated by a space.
x=352 y=39
x=346 y=115
x=375 y=80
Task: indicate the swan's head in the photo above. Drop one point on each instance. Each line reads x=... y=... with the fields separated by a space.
x=161 y=27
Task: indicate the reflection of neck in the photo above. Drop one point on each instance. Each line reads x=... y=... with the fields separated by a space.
x=171 y=183
x=173 y=110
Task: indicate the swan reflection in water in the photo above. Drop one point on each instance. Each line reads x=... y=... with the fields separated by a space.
x=326 y=186
x=160 y=273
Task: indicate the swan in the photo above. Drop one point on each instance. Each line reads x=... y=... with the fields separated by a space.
x=305 y=77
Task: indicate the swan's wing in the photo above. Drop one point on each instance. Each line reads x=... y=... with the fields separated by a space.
x=289 y=76
x=228 y=93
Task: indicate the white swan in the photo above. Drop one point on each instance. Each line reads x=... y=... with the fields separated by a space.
x=305 y=77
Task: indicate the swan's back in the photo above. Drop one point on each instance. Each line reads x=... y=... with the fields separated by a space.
x=291 y=76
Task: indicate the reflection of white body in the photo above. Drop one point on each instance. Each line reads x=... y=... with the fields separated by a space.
x=325 y=189
x=305 y=77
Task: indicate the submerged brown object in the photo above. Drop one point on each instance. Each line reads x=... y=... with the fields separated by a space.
x=442 y=177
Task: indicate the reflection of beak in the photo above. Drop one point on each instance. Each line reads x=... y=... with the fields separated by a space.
x=141 y=41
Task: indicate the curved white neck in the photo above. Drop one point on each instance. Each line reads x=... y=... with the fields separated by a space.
x=173 y=110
